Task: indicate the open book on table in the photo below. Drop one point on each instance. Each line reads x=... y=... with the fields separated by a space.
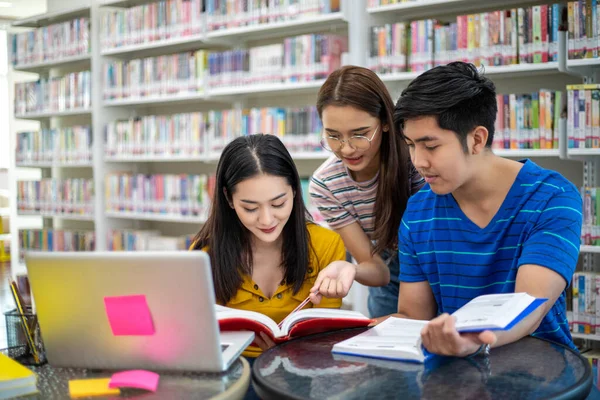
x=301 y=323
x=400 y=339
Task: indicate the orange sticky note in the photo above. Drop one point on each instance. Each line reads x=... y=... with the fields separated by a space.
x=136 y=379
x=91 y=387
x=129 y=315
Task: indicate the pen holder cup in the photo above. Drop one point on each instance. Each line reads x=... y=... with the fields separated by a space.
x=16 y=337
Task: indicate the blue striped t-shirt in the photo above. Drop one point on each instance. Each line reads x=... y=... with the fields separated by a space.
x=538 y=223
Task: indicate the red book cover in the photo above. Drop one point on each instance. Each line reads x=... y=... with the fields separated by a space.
x=302 y=323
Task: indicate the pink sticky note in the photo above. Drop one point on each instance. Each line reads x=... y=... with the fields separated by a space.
x=129 y=315
x=135 y=379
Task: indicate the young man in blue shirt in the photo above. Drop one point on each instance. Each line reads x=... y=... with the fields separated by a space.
x=482 y=224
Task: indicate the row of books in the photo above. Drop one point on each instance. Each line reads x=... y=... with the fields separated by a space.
x=58 y=145
x=151 y=22
x=222 y=14
x=302 y=58
x=169 y=19
x=584 y=29
x=56 y=240
x=155 y=76
x=145 y=240
x=69 y=92
x=590 y=231
x=164 y=194
x=584 y=302
x=515 y=36
x=299 y=129
x=192 y=134
x=51 y=43
x=528 y=121
x=583 y=116
x=297 y=59
x=60 y=196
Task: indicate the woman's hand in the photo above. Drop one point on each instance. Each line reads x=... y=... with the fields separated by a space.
x=334 y=281
x=263 y=341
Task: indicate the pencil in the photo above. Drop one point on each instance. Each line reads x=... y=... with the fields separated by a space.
x=28 y=335
x=300 y=306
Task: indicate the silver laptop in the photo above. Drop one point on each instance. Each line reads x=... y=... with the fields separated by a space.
x=69 y=291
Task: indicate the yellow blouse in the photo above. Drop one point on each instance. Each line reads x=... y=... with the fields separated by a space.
x=327 y=247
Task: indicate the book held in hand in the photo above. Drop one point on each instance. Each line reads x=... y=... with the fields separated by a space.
x=400 y=339
x=300 y=323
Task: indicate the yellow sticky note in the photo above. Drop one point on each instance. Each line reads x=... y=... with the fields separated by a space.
x=91 y=387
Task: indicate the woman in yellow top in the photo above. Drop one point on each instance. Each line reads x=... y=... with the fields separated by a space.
x=264 y=250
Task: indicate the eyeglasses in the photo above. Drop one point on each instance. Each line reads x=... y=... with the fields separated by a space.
x=360 y=143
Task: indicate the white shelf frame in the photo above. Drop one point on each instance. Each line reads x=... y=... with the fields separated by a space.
x=55 y=114
x=589 y=249
x=38 y=67
x=585 y=336
x=88 y=164
x=43 y=214
x=187 y=219
x=55 y=16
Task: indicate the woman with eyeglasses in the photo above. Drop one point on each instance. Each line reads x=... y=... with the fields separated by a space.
x=363 y=188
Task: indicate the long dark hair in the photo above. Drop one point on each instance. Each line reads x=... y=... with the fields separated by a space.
x=228 y=241
x=361 y=88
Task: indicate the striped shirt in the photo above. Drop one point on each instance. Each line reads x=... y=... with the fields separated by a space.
x=341 y=200
x=538 y=223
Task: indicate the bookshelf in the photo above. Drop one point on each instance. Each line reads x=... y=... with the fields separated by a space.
x=353 y=20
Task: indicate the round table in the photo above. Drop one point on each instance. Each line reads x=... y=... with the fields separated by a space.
x=531 y=368
x=53 y=384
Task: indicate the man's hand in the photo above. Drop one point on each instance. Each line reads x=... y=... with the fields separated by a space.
x=334 y=281
x=441 y=337
x=263 y=341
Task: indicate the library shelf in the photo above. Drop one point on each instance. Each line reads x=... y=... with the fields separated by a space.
x=44 y=214
x=165 y=46
x=331 y=22
x=510 y=153
x=589 y=249
x=189 y=219
x=422 y=9
x=80 y=62
x=74 y=164
x=54 y=114
x=54 y=17
x=585 y=336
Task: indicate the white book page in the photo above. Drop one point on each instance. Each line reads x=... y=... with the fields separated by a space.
x=226 y=312
x=491 y=311
x=393 y=337
x=311 y=313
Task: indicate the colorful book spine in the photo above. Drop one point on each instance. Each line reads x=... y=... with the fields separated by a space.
x=583 y=116
x=152 y=77
x=298 y=59
x=222 y=14
x=157 y=135
x=170 y=195
x=64 y=145
x=525 y=121
x=51 y=43
x=56 y=240
x=56 y=196
x=147 y=23
x=300 y=129
x=145 y=240
x=70 y=92
x=525 y=35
